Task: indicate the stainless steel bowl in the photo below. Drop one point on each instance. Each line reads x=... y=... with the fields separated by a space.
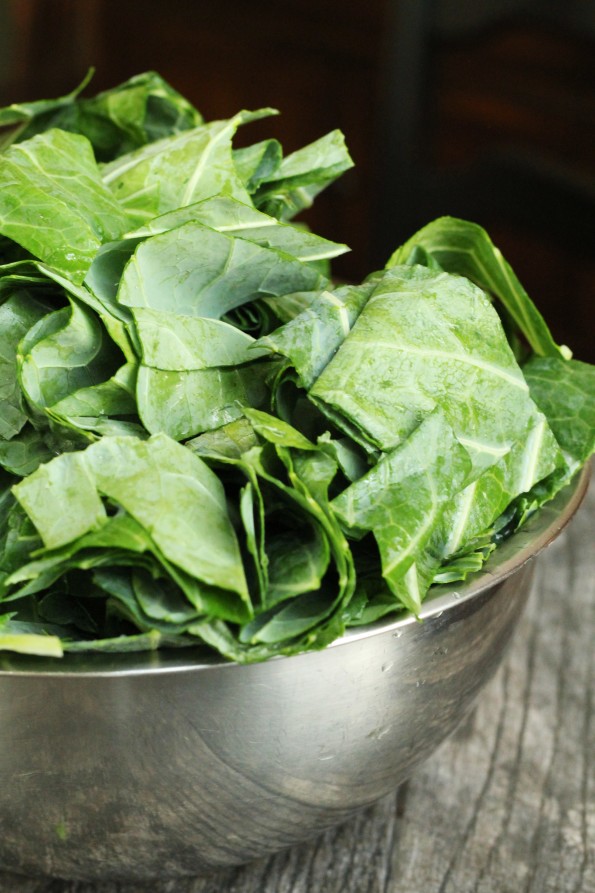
x=167 y=764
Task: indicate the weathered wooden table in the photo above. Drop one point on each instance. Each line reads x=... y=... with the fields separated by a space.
x=507 y=805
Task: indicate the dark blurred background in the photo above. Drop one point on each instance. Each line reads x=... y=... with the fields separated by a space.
x=483 y=110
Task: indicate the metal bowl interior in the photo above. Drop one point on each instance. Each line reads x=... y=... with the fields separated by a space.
x=165 y=764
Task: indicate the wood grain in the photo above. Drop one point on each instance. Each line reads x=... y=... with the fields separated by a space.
x=507 y=805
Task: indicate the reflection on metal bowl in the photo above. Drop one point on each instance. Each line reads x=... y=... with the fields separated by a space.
x=169 y=763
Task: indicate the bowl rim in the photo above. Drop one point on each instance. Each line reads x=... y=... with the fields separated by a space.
x=538 y=532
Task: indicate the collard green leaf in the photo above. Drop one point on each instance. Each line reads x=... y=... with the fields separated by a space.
x=144 y=478
x=179 y=170
x=196 y=271
x=402 y=499
x=427 y=339
x=64 y=481
x=113 y=397
x=564 y=390
x=297 y=562
x=181 y=343
x=195 y=373
x=277 y=431
x=54 y=203
x=302 y=175
x=141 y=476
x=230 y=441
x=227 y=215
x=290 y=620
x=18 y=314
x=25 y=452
x=459 y=246
x=290 y=476
x=184 y=404
x=313 y=336
x=258 y=162
x=142 y=109
x=24 y=119
x=62 y=360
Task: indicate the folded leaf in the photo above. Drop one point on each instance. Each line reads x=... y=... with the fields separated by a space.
x=196 y=271
x=196 y=542
x=402 y=499
x=459 y=246
x=18 y=314
x=301 y=176
x=427 y=339
x=225 y=214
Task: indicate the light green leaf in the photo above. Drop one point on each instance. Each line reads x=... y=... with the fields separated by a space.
x=401 y=500
x=427 y=339
x=54 y=203
x=181 y=343
x=18 y=314
x=227 y=215
x=142 y=109
x=179 y=170
x=184 y=404
x=459 y=246
x=23 y=119
x=258 y=162
x=65 y=482
x=195 y=271
x=65 y=352
x=312 y=337
x=302 y=175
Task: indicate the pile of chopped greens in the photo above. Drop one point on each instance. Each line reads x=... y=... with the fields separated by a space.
x=202 y=439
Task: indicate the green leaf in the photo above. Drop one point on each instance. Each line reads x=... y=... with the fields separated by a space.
x=564 y=390
x=54 y=204
x=301 y=176
x=227 y=215
x=18 y=314
x=179 y=170
x=459 y=246
x=22 y=120
x=181 y=343
x=184 y=404
x=68 y=367
x=145 y=478
x=312 y=337
x=401 y=499
x=196 y=271
x=230 y=441
x=277 y=431
x=142 y=109
x=25 y=452
x=65 y=481
x=427 y=339
x=258 y=162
